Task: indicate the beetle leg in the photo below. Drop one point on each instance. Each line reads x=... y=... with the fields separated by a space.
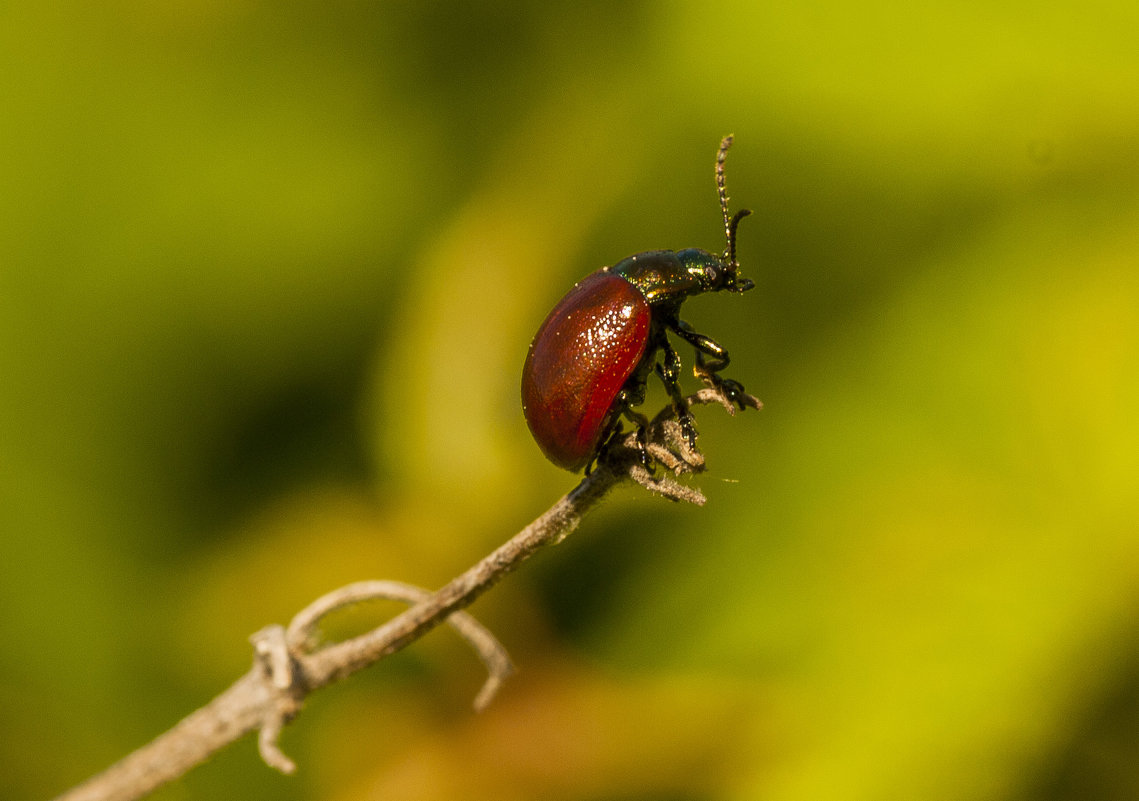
x=614 y=433
x=705 y=346
x=642 y=424
x=708 y=369
x=669 y=372
x=733 y=390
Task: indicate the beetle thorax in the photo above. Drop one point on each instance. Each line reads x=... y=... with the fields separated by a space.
x=667 y=277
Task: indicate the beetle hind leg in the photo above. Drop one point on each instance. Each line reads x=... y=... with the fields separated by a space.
x=614 y=433
x=642 y=430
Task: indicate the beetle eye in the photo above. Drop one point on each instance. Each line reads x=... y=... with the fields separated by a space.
x=711 y=274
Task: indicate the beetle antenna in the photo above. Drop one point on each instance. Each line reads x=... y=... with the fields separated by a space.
x=731 y=223
x=721 y=157
x=732 y=226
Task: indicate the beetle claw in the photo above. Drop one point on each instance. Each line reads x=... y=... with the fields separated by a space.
x=688 y=429
x=643 y=450
x=733 y=391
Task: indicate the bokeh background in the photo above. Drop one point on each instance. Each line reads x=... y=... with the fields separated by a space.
x=268 y=273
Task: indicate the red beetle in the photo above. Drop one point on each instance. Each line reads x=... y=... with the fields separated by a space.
x=590 y=360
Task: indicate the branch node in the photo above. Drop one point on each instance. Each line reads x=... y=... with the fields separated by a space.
x=667 y=446
x=271 y=654
x=277 y=669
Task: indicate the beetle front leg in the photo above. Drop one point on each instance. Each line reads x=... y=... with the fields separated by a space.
x=708 y=369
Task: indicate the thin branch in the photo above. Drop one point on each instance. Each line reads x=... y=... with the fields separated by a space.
x=287 y=664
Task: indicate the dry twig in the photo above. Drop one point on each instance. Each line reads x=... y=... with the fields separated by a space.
x=288 y=664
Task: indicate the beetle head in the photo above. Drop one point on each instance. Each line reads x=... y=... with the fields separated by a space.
x=711 y=272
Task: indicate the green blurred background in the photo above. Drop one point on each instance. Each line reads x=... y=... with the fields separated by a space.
x=268 y=274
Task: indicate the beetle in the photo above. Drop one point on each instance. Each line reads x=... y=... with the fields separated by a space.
x=589 y=363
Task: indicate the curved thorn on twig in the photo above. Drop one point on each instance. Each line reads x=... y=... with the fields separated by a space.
x=276 y=666
x=302 y=633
